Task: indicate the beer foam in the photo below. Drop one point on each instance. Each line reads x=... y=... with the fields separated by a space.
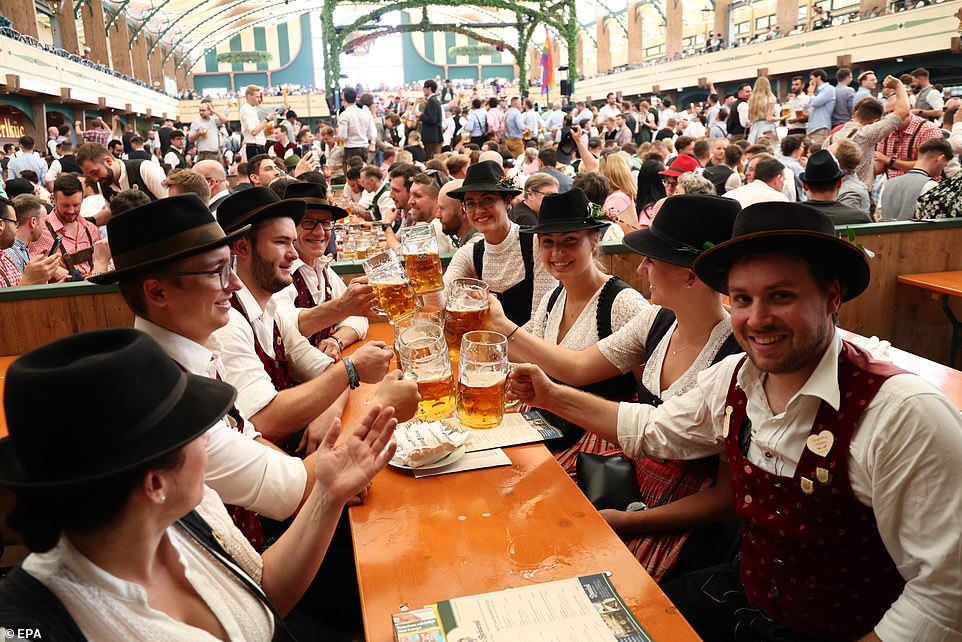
x=482 y=379
x=464 y=305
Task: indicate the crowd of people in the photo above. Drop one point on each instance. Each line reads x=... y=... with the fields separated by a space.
x=770 y=464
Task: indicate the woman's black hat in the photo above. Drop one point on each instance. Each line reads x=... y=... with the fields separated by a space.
x=486 y=176
x=255 y=205
x=566 y=212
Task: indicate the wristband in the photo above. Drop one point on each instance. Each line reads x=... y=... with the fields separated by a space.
x=354 y=381
x=340 y=344
x=516 y=328
x=892 y=161
x=91 y=219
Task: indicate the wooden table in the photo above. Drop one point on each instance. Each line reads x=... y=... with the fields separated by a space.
x=418 y=541
x=942 y=285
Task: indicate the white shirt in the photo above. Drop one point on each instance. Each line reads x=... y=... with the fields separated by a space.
x=903 y=463
x=664 y=115
x=249 y=121
x=173 y=160
x=755 y=192
x=695 y=129
x=608 y=111
x=583 y=333
x=244 y=472
x=503 y=266
x=312 y=278
x=242 y=367
x=152 y=173
x=106 y=607
x=356 y=127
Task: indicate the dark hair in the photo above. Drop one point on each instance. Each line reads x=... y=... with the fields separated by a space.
x=701 y=149
x=843 y=73
x=932 y=146
x=353 y=173
x=29 y=175
x=767 y=169
x=242 y=168
x=127 y=199
x=733 y=154
x=651 y=188
x=493 y=101
x=548 y=157
x=279 y=186
x=136 y=140
x=314 y=177
x=404 y=170
x=476 y=103
x=820 y=73
x=350 y=95
x=67 y=184
x=791 y=143
x=430 y=84
x=594 y=185
x=254 y=164
x=179 y=134
x=40 y=516
x=682 y=142
x=869 y=108
x=920 y=73
x=26 y=142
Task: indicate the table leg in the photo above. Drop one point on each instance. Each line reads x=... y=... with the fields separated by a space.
x=956 y=328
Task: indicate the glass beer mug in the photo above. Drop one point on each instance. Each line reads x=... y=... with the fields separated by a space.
x=396 y=297
x=424 y=357
x=482 y=370
x=422 y=259
x=465 y=310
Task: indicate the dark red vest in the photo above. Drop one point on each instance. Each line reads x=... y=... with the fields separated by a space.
x=812 y=557
x=277 y=367
x=305 y=300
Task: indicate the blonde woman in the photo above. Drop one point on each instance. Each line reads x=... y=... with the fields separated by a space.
x=761 y=111
x=620 y=203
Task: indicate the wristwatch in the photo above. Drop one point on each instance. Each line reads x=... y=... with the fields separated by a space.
x=892 y=161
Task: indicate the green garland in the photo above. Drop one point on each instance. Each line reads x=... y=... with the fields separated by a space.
x=241 y=57
x=473 y=50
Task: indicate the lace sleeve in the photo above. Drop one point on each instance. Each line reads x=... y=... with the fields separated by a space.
x=626 y=306
x=625 y=348
x=212 y=509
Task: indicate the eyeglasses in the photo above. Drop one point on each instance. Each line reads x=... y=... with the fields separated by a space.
x=534 y=191
x=487 y=202
x=310 y=223
x=225 y=272
x=439 y=177
x=9 y=220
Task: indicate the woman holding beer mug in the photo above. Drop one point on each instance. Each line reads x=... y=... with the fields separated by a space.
x=587 y=306
x=686 y=331
x=504 y=259
x=329 y=313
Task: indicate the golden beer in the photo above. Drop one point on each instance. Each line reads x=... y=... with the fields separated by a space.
x=437 y=398
x=424 y=272
x=396 y=299
x=481 y=400
x=461 y=320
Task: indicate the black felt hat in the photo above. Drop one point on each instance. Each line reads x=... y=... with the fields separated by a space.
x=257 y=204
x=821 y=168
x=486 y=176
x=686 y=226
x=566 y=212
x=779 y=227
x=314 y=195
x=161 y=232
x=155 y=408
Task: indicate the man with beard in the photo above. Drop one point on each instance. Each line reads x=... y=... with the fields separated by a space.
x=423 y=208
x=454 y=222
x=115 y=175
x=79 y=250
x=283 y=382
x=16 y=266
x=844 y=468
x=401 y=177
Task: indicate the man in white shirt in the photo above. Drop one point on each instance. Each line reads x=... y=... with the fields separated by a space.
x=423 y=206
x=283 y=382
x=378 y=192
x=213 y=171
x=844 y=468
x=764 y=182
x=115 y=175
x=355 y=128
x=252 y=124
x=610 y=109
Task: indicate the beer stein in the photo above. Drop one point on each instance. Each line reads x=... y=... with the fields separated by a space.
x=482 y=370
x=465 y=310
x=396 y=297
x=422 y=259
x=424 y=357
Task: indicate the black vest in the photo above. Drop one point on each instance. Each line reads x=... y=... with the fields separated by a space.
x=68 y=164
x=734 y=123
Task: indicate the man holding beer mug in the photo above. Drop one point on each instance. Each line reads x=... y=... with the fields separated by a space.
x=329 y=313
x=505 y=257
x=284 y=383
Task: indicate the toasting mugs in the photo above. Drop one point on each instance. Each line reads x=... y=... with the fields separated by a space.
x=465 y=310
x=483 y=368
x=395 y=295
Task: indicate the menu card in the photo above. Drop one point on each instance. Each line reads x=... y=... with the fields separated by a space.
x=587 y=609
x=514 y=429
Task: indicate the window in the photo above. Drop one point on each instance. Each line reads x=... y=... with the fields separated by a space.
x=763 y=23
x=654 y=52
x=743 y=28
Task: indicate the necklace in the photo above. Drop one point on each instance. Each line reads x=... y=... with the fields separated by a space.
x=675 y=351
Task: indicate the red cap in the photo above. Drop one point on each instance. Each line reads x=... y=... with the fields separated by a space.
x=682 y=163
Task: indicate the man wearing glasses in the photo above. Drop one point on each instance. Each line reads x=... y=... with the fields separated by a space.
x=505 y=257
x=329 y=313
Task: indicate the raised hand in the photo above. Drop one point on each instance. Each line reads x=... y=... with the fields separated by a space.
x=344 y=470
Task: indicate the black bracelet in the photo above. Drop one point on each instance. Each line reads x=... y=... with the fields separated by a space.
x=91 y=219
x=354 y=381
x=516 y=328
x=340 y=344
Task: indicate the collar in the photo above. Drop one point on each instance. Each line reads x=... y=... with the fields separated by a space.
x=251 y=306
x=19 y=244
x=194 y=357
x=918 y=170
x=822 y=384
x=55 y=221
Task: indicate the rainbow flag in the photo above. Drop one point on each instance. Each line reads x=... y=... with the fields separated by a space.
x=547 y=64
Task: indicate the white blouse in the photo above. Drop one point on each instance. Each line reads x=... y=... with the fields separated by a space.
x=106 y=607
x=627 y=349
x=583 y=333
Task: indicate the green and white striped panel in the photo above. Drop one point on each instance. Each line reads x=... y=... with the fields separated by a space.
x=283 y=40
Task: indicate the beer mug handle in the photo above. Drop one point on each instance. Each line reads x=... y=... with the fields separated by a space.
x=409 y=374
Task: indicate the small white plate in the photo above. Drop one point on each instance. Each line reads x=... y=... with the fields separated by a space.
x=452 y=457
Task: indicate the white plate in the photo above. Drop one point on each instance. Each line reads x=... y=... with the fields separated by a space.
x=452 y=457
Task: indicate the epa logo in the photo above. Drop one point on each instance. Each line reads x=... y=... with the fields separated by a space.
x=22 y=634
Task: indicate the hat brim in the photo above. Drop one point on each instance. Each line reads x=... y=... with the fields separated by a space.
x=821 y=180
x=846 y=261
x=113 y=276
x=203 y=403
x=482 y=187
x=294 y=208
x=645 y=242
x=317 y=204
x=671 y=172
x=561 y=226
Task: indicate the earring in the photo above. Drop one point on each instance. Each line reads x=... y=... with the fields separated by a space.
x=162 y=498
